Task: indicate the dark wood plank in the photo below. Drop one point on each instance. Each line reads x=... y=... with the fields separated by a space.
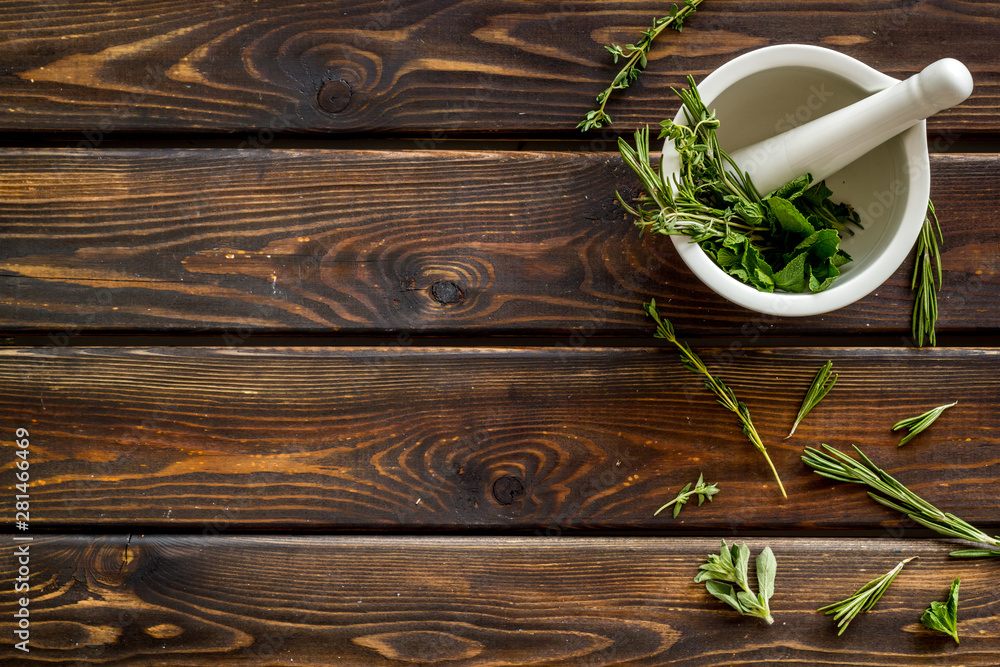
x=186 y=600
x=436 y=67
x=241 y=242
x=536 y=440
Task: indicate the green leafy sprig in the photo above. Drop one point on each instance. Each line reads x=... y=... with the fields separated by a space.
x=944 y=617
x=928 y=263
x=692 y=362
x=787 y=240
x=702 y=490
x=731 y=566
x=820 y=387
x=886 y=490
x=920 y=422
x=635 y=57
x=863 y=599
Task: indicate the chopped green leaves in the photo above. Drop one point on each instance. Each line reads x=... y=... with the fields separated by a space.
x=944 y=617
x=731 y=566
x=702 y=490
x=863 y=599
x=917 y=424
x=787 y=240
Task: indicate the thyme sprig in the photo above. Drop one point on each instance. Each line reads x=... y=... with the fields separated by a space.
x=702 y=490
x=928 y=254
x=863 y=599
x=820 y=387
x=692 y=362
x=886 y=490
x=917 y=424
x=635 y=57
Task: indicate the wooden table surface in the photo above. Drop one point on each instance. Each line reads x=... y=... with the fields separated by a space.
x=327 y=336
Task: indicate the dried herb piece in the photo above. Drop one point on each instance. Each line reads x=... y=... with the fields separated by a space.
x=731 y=566
x=863 y=599
x=886 y=490
x=634 y=56
x=820 y=387
x=944 y=617
x=920 y=422
x=702 y=490
x=692 y=362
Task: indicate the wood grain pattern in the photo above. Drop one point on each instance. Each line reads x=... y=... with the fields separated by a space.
x=436 y=67
x=234 y=242
x=537 y=440
x=187 y=600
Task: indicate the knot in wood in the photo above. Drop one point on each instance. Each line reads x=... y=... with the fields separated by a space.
x=334 y=96
x=506 y=489
x=446 y=292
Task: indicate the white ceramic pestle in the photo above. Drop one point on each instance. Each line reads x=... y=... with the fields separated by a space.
x=825 y=145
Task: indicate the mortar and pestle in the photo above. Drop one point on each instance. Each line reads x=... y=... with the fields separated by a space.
x=793 y=109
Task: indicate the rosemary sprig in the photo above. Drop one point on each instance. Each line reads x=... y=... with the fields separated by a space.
x=635 y=56
x=820 y=387
x=863 y=599
x=702 y=490
x=944 y=617
x=925 y=307
x=920 y=422
x=692 y=362
x=886 y=490
x=731 y=565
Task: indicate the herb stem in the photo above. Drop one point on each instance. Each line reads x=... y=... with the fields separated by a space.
x=820 y=387
x=636 y=58
x=917 y=424
x=887 y=491
x=928 y=254
x=863 y=599
x=726 y=396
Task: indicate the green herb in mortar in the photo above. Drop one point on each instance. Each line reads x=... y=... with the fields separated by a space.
x=787 y=240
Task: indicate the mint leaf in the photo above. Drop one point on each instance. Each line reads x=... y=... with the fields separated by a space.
x=818 y=193
x=793 y=189
x=944 y=617
x=789 y=217
x=792 y=278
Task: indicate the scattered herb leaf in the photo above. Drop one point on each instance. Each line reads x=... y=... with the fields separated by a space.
x=944 y=617
x=928 y=258
x=702 y=490
x=820 y=387
x=863 y=599
x=920 y=422
x=886 y=490
x=731 y=566
x=788 y=239
x=635 y=57
x=692 y=362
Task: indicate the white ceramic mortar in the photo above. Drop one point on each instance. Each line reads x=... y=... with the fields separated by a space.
x=770 y=91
